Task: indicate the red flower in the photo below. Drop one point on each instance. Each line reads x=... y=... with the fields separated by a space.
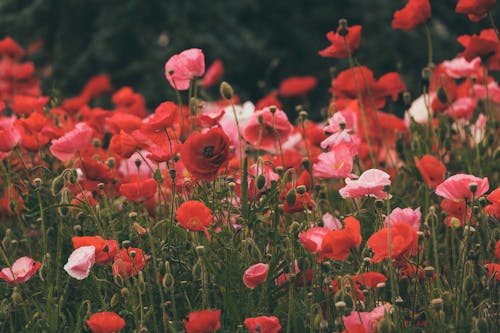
x=338 y=48
x=263 y=324
x=139 y=191
x=163 y=118
x=123 y=144
x=494 y=208
x=415 y=13
x=475 y=9
x=193 y=215
x=123 y=121
x=204 y=154
x=129 y=262
x=431 y=169
x=297 y=86
x=264 y=126
x=10 y=136
x=205 y=321
x=9 y=48
x=105 y=250
x=97 y=86
x=403 y=240
x=484 y=45
x=105 y=322
x=494 y=271
x=255 y=275
x=213 y=74
x=21 y=271
x=269 y=100
x=97 y=171
x=337 y=244
x=25 y=105
x=497 y=250
x=302 y=201
x=371 y=279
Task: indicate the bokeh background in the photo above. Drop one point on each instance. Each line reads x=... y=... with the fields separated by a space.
x=260 y=42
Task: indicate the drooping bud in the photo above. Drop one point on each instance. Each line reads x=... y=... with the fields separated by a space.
x=226 y=91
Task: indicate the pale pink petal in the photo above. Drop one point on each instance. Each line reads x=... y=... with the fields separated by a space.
x=80 y=262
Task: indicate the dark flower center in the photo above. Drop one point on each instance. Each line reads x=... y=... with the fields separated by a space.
x=208 y=151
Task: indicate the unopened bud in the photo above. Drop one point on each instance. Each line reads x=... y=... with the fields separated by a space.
x=301 y=189
x=260 y=181
x=291 y=197
x=200 y=250
x=437 y=303
x=226 y=91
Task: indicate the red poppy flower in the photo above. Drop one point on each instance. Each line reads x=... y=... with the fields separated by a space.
x=483 y=45
x=415 y=13
x=404 y=240
x=204 y=154
x=431 y=169
x=494 y=271
x=338 y=48
x=11 y=202
x=497 y=250
x=337 y=244
x=123 y=144
x=97 y=86
x=263 y=324
x=128 y=262
x=163 y=118
x=128 y=101
x=213 y=74
x=494 y=208
x=371 y=279
x=105 y=250
x=270 y=99
x=123 y=121
x=264 y=126
x=105 y=322
x=25 y=105
x=302 y=202
x=140 y=190
x=255 y=275
x=205 y=321
x=193 y=215
x=9 y=48
x=10 y=136
x=475 y=9
x=297 y=86
x=96 y=171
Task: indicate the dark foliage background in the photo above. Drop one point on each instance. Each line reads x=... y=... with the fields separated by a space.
x=258 y=40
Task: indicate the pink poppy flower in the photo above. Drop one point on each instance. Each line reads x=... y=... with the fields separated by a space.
x=371 y=182
x=255 y=275
x=312 y=238
x=181 y=68
x=80 y=262
x=492 y=91
x=66 y=146
x=337 y=163
x=346 y=119
x=261 y=129
x=406 y=215
x=366 y=322
x=462 y=108
x=9 y=134
x=265 y=324
x=459 y=67
x=457 y=187
x=21 y=271
x=331 y=222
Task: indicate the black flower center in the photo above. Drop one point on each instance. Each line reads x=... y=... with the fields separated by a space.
x=208 y=151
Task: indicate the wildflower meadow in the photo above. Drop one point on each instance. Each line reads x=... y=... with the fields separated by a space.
x=209 y=213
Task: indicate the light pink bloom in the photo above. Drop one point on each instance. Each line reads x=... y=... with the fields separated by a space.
x=459 y=67
x=462 y=108
x=493 y=91
x=255 y=275
x=366 y=321
x=80 y=262
x=262 y=133
x=371 y=182
x=419 y=111
x=21 y=271
x=312 y=238
x=228 y=122
x=406 y=215
x=346 y=118
x=185 y=66
x=457 y=187
x=342 y=138
x=331 y=222
x=67 y=145
x=337 y=163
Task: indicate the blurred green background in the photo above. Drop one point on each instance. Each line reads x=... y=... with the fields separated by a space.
x=258 y=40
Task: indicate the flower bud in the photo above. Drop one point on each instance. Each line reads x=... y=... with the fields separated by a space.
x=429 y=271
x=437 y=303
x=115 y=299
x=200 y=250
x=57 y=185
x=260 y=181
x=226 y=91
x=291 y=197
x=301 y=189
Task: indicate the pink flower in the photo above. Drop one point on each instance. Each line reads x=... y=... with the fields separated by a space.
x=66 y=146
x=366 y=322
x=493 y=92
x=457 y=187
x=339 y=138
x=265 y=324
x=312 y=238
x=462 y=108
x=9 y=134
x=346 y=119
x=331 y=222
x=181 y=68
x=255 y=275
x=459 y=67
x=371 y=182
x=21 y=271
x=337 y=163
x=406 y=215
x=80 y=262
x=263 y=128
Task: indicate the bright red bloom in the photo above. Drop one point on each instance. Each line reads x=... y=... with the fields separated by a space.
x=494 y=208
x=213 y=74
x=263 y=324
x=205 y=321
x=415 y=13
x=105 y=322
x=25 y=105
x=255 y=275
x=123 y=144
x=403 y=238
x=337 y=244
x=494 y=271
x=105 y=250
x=21 y=271
x=338 y=48
x=457 y=187
x=204 y=154
x=163 y=118
x=475 y=9
x=181 y=68
x=120 y=121
x=97 y=86
x=302 y=201
x=269 y=100
x=97 y=171
x=431 y=169
x=128 y=101
x=484 y=45
x=370 y=279
x=297 y=86
x=263 y=128
x=128 y=262
x=9 y=48
x=194 y=215
x=139 y=191
x=11 y=201
x=497 y=250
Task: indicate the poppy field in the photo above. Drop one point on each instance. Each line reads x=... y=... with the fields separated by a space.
x=209 y=213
